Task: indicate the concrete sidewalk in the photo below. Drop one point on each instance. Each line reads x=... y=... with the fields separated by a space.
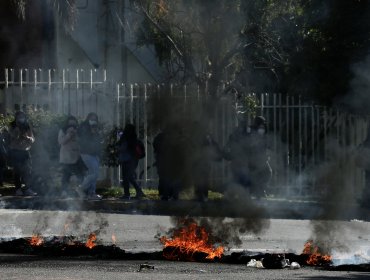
x=264 y=208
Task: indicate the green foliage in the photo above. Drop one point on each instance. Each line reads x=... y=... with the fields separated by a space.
x=110 y=152
x=251 y=104
x=44 y=119
x=5 y=121
x=195 y=40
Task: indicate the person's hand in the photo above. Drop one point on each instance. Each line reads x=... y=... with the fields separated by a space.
x=71 y=131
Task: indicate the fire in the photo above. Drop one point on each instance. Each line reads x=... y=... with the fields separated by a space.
x=90 y=243
x=36 y=240
x=188 y=240
x=314 y=255
x=114 y=238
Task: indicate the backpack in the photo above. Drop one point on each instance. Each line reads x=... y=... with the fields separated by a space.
x=139 y=150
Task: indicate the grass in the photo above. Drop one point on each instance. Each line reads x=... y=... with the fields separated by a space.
x=152 y=194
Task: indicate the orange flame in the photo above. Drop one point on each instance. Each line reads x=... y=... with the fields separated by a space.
x=90 y=243
x=314 y=256
x=188 y=240
x=36 y=240
x=114 y=238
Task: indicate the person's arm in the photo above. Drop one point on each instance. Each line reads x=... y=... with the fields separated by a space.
x=14 y=133
x=64 y=138
x=29 y=135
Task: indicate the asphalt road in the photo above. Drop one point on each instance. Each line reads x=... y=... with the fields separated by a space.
x=112 y=270
x=139 y=233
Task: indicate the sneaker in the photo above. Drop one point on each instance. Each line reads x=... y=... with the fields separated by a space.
x=94 y=197
x=19 y=192
x=29 y=192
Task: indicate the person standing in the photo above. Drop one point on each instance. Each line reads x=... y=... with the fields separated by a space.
x=206 y=152
x=69 y=155
x=247 y=149
x=130 y=150
x=90 y=142
x=21 y=140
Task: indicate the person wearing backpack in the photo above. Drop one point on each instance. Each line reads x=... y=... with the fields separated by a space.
x=130 y=151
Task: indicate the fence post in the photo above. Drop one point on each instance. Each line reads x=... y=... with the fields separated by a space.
x=145 y=136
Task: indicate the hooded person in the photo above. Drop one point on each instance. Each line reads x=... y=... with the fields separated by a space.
x=90 y=143
x=21 y=140
x=130 y=151
x=248 y=151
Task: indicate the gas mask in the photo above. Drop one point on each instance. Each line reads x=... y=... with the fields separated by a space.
x=93 y=122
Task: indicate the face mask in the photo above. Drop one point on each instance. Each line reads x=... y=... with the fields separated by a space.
x=91 y=122
x=261 y=131
x=21 y=120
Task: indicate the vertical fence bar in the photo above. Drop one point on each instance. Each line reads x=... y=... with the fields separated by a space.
x=83 y=95
x=305 y=136
x=77 y=111
x=95 y=92
x=313 y=134
x=63 y=88
x=281 y=151
x=21 y=86
x=288 y=145
x=90 y=106
x=293 y=159
x=6 y=97
x=35 y=86
x=125 y=99
x=275 y=131
x=49 y=97
x=300 y=140
x=131 y=103
x=145 y=136
x=137 y=98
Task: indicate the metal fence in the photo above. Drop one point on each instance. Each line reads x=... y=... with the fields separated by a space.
x=302 y=136
x=308 y=142
x=76 y=92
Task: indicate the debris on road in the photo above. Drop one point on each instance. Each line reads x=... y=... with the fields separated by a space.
x=294 y=265
x=255 y=263
x=145 y=266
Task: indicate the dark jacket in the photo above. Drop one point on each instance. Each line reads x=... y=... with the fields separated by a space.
x=90 y=143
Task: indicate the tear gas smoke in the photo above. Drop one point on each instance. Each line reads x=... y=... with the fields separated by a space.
x=187 y=122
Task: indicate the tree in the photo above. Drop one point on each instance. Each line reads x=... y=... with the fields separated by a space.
x=213 y=41
x=65 y=8
x=302 y=47
x=194 y=40
x=26 y=25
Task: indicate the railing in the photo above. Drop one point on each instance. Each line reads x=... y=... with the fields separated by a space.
x=302 y=136
x=72 y=92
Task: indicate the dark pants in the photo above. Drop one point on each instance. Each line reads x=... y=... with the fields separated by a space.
x=254 y=178
x=128 y=169
x=21 y=162
x=2 y=168
x=168 y=184
x=68 y=170
x=201 y=179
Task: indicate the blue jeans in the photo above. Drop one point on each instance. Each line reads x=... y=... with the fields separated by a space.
x=89 y=183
